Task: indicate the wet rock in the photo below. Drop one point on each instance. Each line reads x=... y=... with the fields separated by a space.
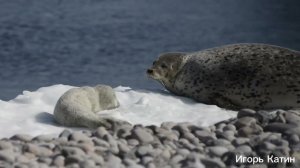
x=5 y=145
x=7 y=156
x=59 y=161
x=39 y=151
x=217 y=150
x=100 y=132
x=216 y=163
x=278 y=127
x=249 y=130
x=65 y=133
x=143 y=150
x=240 y=141
x=142 y=135
x=43 y=138
x=245 y=121
x=21 y=137
x=292 y=118
x=67 y=151
x=78 y=136
x=243 y=149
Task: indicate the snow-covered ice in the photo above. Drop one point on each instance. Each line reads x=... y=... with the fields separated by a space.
x=31 y=112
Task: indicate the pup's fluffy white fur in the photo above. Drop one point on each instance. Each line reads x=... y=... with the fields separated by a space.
x=77 y=107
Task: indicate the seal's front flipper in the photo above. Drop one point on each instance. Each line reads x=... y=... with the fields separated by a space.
x=224 y=102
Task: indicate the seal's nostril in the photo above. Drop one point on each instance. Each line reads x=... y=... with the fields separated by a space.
x=149 y=71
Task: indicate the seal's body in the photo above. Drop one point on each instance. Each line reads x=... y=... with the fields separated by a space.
x=235 y=76
x=77 y=107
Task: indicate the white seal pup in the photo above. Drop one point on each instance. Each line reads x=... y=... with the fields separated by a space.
x=77 y=107
x=256 y=76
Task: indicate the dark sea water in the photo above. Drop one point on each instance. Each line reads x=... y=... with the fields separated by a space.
x=86 y=42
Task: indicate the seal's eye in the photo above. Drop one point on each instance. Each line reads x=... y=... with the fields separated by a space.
x=164 y=66
x=153 y=62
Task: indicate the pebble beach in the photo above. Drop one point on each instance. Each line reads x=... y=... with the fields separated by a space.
x=255 y=139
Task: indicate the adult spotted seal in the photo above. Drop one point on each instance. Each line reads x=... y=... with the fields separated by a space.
x=257 y=76
x=77 y=107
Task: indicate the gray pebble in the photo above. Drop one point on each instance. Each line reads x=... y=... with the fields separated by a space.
x=183 y=151
x=98 y=159
x=243 y=149
x=87 y=163
x=249 y=130
x=123 y=148
x=7 y=155
x=212 y=163
x=221 y=142
x=100 y=142
x=67 y=151
x=78 y=136
x=59 y=161
x=112 y=142
x=245 y=121
x=142 y=135
x=204 y=135
x=229 y=127
x=147 y=159
x=133 y=142
x=176 y=159
x=294 y=139
x=278 y=127
x=100 y=132
x=246 y=113
x=113 y=161
x=44 y=138
x=5 y=145
x=240 y=141
x=21 y=137
x=143 y=150
x=65 y=133
x=73 y=159
x=292 y=118
x=168 y=125
x=217 y=150
x=39 y=151
x=46 y=160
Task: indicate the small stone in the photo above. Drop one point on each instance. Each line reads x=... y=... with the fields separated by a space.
x=142 y=135
x=59 y=161
x=5 y=145
x=43 y=138
x=7 y=155
x=46 y=160
x=100 y=142
x=100 y=132
x=87 y=163
x=294 y=139
x=73 y=159
x=204 y=135
x=243 y=149
x=292 y=118
x=216 y=163
x=267 y=146
x=98 y=159
x=183 y=152
x=151 y=165
x=133 y=142
x=245 y=121
x=123 y=148
x=21 y=159
x=143 y=150
x=65 y=133
x=229 y=127
x=279 y=127
x=249 y=130
x=166 y=154
x=21 y=137
x=246 y=113
x=113 y=161
x=176 y=159
x=221 y=142
x=217 y=150
x=67 y=151
x=79 y=137
x=240 y=141
x=112 y=143
x=147 y=159
x=39 y=151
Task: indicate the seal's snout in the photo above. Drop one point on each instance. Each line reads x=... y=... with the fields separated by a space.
x=149 y=71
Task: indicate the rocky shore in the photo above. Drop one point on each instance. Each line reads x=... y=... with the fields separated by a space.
x=255 y=139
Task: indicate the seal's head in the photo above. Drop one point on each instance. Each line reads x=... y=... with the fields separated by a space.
x=166 y=67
